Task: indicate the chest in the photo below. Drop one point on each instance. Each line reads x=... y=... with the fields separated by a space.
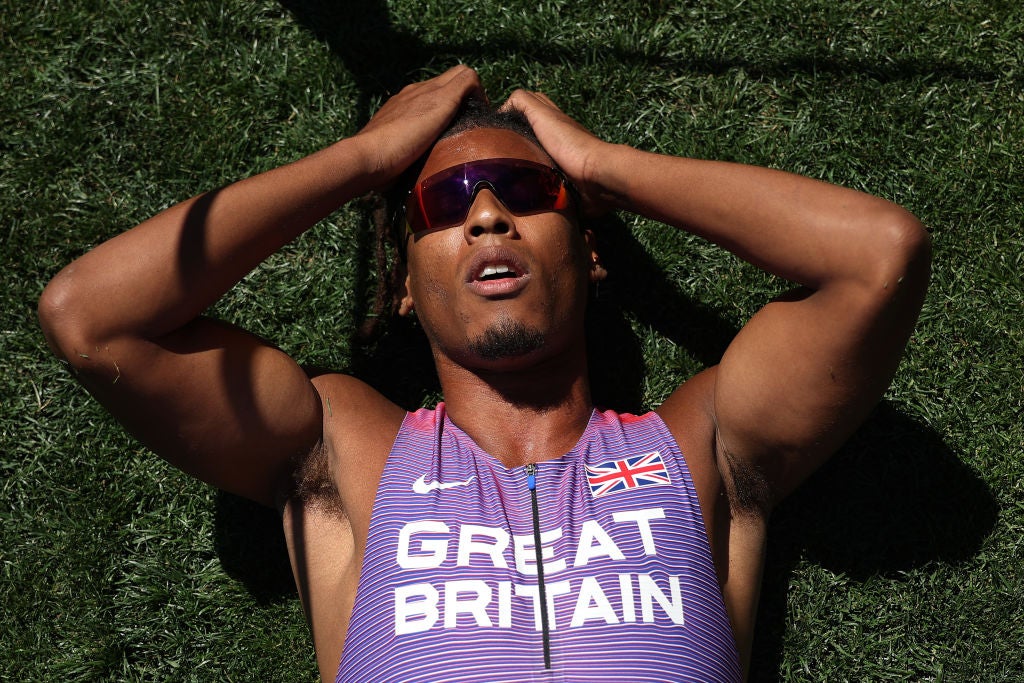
x=471 y=543
x=555 y=575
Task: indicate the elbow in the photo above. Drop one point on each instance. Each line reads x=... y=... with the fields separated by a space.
x=896 y=288
x=911 y=237
x=62 y=327
x=904 y=251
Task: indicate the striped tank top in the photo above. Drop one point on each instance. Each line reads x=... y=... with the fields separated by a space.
x=591 y=567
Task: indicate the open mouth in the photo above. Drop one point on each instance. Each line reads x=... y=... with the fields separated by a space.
x=495 y=265
x=496 y=272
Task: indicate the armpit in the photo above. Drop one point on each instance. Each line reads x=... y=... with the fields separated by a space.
x=313 y=484
x=745 y=483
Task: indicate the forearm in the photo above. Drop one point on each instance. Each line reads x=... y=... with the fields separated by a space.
x=806 y=368
x=164 y=272
x=807 y=231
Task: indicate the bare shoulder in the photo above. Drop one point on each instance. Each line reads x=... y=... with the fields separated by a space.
x=350 y=403
x=688 y=414
x=357 y=418
x=359 y=427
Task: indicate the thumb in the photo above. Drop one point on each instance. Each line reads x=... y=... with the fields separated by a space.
x=527 y=101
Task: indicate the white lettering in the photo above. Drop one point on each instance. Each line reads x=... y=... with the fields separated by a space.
x=467 y=602
x=476 y=606
x=472 y=601
x=595 y=542
x=592 y=603
x=424 y=544
x=415 y=615
x=436 y=549
x=526 y=553
x=493 y=548
x=504 y=604
x=649 y=592
x=550 y=590
x=642 y=519
x=626 y=590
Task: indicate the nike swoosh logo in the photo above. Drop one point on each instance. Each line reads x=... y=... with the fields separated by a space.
x=421 y=485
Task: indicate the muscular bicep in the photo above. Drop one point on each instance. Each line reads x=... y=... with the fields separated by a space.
x=807 y=369
x=212 y=399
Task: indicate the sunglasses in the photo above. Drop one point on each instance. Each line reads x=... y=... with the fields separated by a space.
x=444 y=199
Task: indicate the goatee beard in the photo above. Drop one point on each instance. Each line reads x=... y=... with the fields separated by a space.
x=506 y=339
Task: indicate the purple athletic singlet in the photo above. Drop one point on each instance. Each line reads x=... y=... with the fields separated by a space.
x=450 y=589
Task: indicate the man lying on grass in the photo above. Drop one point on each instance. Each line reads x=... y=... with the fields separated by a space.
x=514 y=532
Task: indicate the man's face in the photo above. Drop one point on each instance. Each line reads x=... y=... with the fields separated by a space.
x=499 y=291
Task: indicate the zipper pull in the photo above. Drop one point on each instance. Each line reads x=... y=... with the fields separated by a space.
x=531 y=477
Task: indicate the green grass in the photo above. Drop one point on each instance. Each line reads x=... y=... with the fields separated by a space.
x=901 y=560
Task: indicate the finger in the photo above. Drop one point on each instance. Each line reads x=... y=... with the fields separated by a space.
x=463 y=78
x=447 y=76
x=457 y=71
x=544 y=98
x=474 y=89
x=524 y=100
x=454 y=77
x=517 y=100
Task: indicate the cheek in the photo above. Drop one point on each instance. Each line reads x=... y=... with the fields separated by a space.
x=428 y=292
x=573 y=259
x=567 y=280
x=429 y=267
x=435 y=292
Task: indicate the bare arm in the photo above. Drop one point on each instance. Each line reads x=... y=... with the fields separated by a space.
x=807 y=368
x=210 y=398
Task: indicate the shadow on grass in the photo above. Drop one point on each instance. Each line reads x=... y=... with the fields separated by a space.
x=249 y=542
x=895 y=498
x=383 y=58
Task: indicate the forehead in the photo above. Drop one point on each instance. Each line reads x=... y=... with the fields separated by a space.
x=481 y=143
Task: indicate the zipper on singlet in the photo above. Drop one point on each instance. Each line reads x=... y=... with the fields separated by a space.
x=531 y=483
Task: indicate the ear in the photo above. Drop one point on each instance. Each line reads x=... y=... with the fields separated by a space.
x=403 y=296
x=597 y=269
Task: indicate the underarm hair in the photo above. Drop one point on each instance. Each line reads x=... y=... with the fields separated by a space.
x=749 y=492
x=746 y=485
x=313 y=485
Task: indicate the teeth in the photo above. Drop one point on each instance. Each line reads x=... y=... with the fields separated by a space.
x=494 y=270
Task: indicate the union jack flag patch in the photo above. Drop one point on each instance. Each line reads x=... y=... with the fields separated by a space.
x=627 y=474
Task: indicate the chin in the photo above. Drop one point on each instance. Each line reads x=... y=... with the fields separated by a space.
x=507 y=340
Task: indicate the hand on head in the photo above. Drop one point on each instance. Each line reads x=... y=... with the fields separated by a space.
x=409 y=122
x=575 y=149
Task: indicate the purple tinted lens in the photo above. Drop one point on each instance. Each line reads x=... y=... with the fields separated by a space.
x=444 y=199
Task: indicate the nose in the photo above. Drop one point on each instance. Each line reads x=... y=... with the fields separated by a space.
x=488 y=215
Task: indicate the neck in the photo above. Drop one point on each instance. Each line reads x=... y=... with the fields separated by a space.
x=523 y=415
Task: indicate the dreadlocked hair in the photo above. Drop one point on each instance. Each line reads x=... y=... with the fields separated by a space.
x=387 y=260
x=385 y=209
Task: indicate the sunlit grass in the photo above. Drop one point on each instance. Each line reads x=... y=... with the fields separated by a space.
x=900 y=561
